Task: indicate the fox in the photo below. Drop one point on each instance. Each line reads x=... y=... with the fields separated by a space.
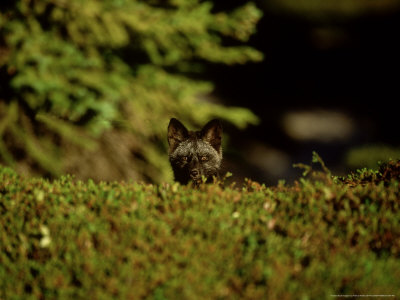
x=195 y=154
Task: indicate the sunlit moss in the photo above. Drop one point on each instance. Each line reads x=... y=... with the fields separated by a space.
x=320 y=236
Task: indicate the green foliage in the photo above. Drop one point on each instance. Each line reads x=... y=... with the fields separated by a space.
x=74 y=71
x=386 y=172
x=319 y=237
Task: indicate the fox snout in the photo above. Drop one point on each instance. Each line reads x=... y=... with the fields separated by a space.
x=194 y=173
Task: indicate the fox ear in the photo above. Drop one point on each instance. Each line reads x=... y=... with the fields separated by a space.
x=212 y=133
x=177 y=133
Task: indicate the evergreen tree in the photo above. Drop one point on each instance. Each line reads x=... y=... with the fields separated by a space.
x=90 y=84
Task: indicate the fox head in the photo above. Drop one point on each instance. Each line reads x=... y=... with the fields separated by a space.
x=194 y=154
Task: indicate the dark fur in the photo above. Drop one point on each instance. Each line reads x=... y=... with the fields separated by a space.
x=194 y=154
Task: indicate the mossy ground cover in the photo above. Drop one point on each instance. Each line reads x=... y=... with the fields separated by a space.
x=321 y=236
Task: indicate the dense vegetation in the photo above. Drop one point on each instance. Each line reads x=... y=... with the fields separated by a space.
x=88 y=87
x=319 y=237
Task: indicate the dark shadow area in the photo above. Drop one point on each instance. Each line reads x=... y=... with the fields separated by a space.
x=340 y=74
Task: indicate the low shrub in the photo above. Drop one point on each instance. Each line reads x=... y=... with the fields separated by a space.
x=316 y=238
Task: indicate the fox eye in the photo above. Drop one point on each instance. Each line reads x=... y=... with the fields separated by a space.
x=204 y=158
x=184 y=158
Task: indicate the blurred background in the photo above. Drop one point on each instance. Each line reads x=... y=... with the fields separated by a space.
x=88 y=87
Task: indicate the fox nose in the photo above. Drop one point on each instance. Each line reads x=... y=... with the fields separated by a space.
x=194 y=173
